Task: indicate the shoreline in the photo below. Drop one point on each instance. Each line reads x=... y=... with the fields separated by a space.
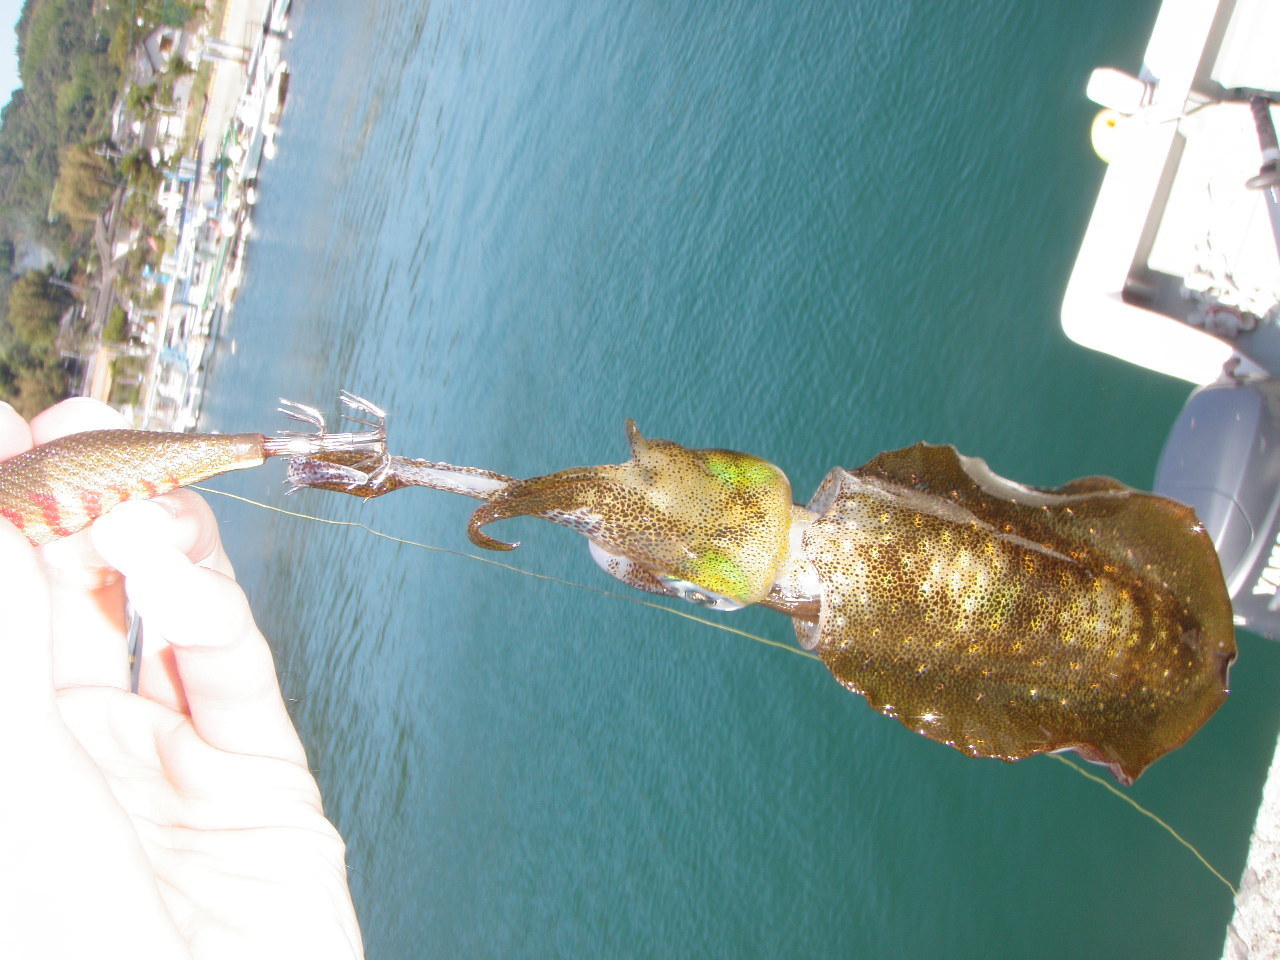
x=209 y=201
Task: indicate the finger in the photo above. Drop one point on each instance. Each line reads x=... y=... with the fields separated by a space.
x=74 y=416
x=180 y=520
x=224 y=667
x=15 y=435
x=184 y=520
x=195 y=530
x=87 y=615
x=158 y=678
x=87 y=606
x=226 y=670
x=86 y=595
x=25 y=687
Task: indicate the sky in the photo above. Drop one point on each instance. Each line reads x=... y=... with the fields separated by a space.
x=10 y=10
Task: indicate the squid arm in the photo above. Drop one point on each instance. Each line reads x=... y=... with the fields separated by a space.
x=999 y=619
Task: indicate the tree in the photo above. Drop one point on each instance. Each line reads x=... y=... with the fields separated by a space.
x=38 y=389
x=172 y=13
x=84 y=185
x=140 y=99
x=29 y=383
x=70 y=79
x=68 y=87
x=35 y=306
x=116 y=329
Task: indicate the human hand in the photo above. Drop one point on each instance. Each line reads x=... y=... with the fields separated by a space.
x=181 y=821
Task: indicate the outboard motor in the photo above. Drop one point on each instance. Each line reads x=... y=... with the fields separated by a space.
x=1223 y=459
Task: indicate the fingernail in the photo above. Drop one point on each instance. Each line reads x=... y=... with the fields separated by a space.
x=149 y=517
x=131 y=532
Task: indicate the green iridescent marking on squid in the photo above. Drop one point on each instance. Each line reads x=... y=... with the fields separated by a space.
x=740 y=471
x=720 y=574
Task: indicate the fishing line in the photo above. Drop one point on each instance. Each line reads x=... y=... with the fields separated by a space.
x=506 y=566
x=1146 y=813
x=688 y=616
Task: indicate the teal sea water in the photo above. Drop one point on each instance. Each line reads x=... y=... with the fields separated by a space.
x=813 y=231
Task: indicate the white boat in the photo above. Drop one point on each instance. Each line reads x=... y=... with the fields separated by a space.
x=1179 y=270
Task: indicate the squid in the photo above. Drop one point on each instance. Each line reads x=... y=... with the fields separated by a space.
x=999 y=619
x=996 y=618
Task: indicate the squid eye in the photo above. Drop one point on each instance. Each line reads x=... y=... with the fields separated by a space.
x=699 y=595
